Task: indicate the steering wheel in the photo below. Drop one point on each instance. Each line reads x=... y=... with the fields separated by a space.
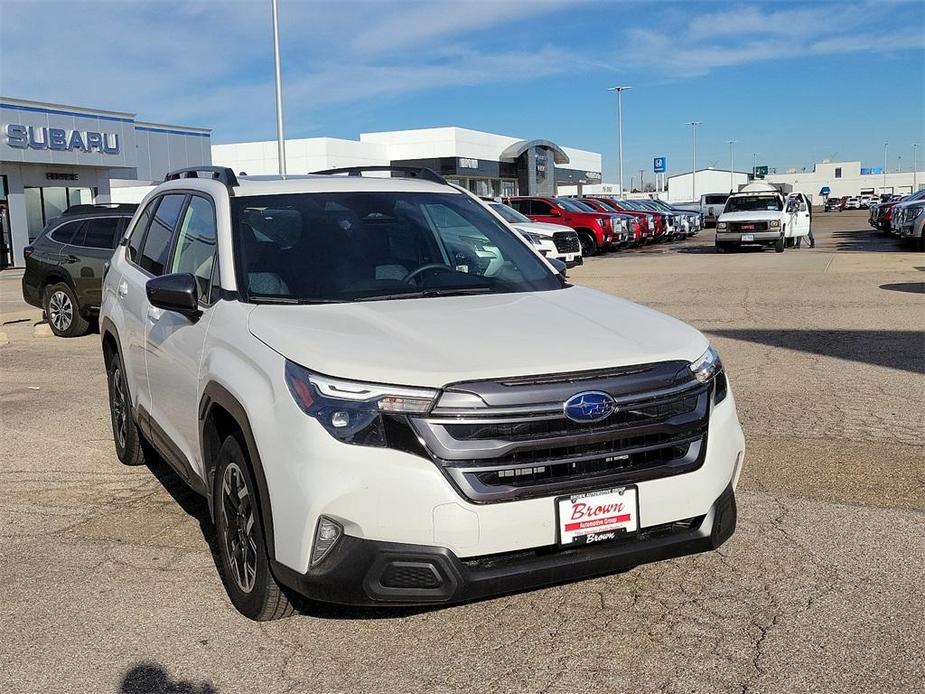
x=425 y=268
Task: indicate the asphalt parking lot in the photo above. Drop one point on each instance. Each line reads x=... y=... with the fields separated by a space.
x=110 y=584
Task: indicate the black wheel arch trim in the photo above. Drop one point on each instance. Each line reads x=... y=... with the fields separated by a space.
x=216 y=394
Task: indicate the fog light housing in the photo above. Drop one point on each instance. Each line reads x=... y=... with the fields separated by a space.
x=327 y=533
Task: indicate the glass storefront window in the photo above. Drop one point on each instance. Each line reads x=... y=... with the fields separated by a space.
x=35 y=219
x=55 y=201
x=44 y=204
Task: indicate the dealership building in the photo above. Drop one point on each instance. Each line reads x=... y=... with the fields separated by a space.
x=485 y=163
x=53 y=156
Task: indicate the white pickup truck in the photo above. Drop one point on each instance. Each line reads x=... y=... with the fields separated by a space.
x=759 y=214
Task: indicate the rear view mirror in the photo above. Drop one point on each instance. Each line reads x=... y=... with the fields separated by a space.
x=177 y=292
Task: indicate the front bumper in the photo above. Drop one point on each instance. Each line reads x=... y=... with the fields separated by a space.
x=735 y=237
x=370 y=573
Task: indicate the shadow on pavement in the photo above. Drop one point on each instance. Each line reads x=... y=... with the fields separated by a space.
x=896 y=349
x=151 y=678
x=910 y=287
x=865 y=240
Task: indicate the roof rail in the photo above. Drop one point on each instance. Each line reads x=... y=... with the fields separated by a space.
x=222 y=174
x=101 y=207
x=410 y=171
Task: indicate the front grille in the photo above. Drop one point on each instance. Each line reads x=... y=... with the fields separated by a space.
x=510 y=439
x=754 y=226
x=566 y=241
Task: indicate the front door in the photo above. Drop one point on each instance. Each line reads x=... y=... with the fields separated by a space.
x=799 y=215
x=175 y=342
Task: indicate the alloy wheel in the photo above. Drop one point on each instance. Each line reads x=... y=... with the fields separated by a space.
x=239 y=532
x=118 y=408
x=60 y=310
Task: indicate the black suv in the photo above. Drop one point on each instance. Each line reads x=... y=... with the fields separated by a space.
x=64 y=265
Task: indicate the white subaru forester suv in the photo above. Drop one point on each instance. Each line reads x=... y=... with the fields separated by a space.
x=388 y=398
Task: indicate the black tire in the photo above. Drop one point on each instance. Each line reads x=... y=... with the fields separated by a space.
x=589 y=245
x=243 y=558
x=791 y=242
x=779 y=246
x=130 y=446
x=721 y=248
x=63 y=312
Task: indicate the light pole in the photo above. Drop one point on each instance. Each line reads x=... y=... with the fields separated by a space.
x=694 y=124
x=732 y=165
x=619 y=90
x=755 y=164
x=280 y=135
x=884 y=166
x=915 y=166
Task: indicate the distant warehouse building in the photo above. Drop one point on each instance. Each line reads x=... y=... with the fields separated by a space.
x=484 y=163
x=54 y=156
x=681 y=187
x=837 y=179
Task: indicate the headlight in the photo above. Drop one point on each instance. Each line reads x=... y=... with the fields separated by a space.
x=774 y=224
x=916 y=212
x=350 y=411
x=708 y=367
x=532 y=237
x=721 y=226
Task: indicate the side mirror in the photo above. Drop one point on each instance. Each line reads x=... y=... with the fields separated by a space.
x=177 y=292
x=559 y=266
x=555 y=212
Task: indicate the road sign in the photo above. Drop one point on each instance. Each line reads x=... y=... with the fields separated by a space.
x=760 y=171
x=660 y=164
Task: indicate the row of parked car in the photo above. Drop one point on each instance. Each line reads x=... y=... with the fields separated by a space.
x=601 y=223
x=902 y=217
x=857 y=202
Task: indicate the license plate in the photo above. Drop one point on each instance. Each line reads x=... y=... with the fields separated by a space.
x=597 y=516
x=748 y=237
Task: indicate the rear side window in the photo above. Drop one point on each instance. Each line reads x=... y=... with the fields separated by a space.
x=99 y=233
x=156 y=247
x=66 y=232
x=540 y=207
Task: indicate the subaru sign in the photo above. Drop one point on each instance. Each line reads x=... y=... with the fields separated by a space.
x=660 y=164
x=590 y=406
x=32 y=137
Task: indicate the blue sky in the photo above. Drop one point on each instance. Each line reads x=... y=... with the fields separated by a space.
x=796 y=82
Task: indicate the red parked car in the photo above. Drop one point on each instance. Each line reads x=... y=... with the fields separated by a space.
x=661 y=221
x=641 y=230
x=598 y=231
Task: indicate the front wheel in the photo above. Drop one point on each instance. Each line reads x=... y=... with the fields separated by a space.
x=63 y=311
x=244 y=560
x=588 y=244
x=779 y=246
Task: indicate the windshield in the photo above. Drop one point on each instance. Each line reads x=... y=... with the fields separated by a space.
x=572 y=205
x=715 y=199
x=333 y=247
x=754 y=203
x=509 y=213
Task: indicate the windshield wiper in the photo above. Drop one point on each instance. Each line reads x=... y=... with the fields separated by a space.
x=292 y=301
x=427 y=293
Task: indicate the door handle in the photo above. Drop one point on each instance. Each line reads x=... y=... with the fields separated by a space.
x=73 y=259
x=123 y=289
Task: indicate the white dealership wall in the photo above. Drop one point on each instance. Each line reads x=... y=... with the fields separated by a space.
x=381 y=148
x=135 y=151
x=850 y=180
x=681 y=186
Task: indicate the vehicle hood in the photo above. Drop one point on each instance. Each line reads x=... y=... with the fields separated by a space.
x=757 y=216
x=432 y=342
x=541 y=228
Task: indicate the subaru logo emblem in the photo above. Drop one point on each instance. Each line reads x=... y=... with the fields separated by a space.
x=591 y=406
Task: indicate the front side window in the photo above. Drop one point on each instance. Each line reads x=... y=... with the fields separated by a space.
x=99 y=233
x=335 y=247
x=195 y=252
x=157 y=241
x=754 y=203
x=540 y=207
